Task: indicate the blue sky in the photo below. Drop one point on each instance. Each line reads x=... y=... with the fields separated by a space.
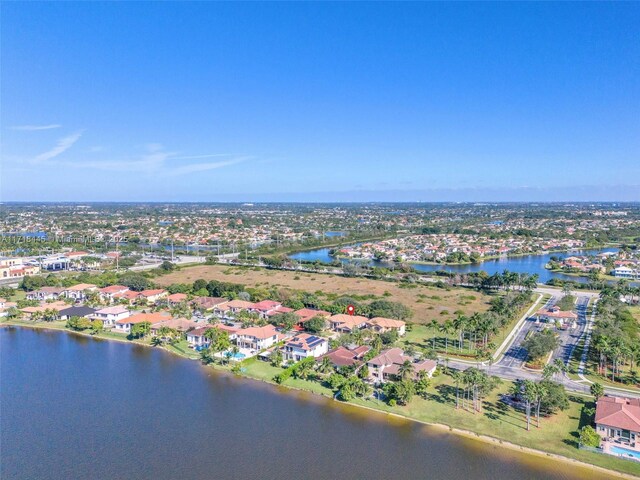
x=320 y=102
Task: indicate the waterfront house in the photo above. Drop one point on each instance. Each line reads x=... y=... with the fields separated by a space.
x=110 y=315
x=618 y=424
x=124 y=325
x=196 y=338
x=303 y=346
x=346 y=356
x=343 y=323
x=79 y=292
x=76 y=311
x=382 y=325
x=31 y=312
x=179 y=324
x=257 y=338
x=386 y=366
x=45 y=293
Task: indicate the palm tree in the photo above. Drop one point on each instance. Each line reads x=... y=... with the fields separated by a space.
x=548 y=371
x=446 y=328
x=325 y=366
x=540 y=391
x=457 y=378
x=276 y=358
x=405 y=371
x=460 y=324
x=434 y=326
x=529 y=395
x=560 y=366
x=164 y=332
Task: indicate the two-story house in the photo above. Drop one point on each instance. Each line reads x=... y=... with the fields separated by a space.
x=257 y=338
x=110 y=315
x=303 y=346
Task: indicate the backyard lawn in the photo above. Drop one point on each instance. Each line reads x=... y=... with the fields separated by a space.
x=557 y=434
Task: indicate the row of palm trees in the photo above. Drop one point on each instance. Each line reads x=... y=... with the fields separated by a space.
x=616 y=337
x=475 y=385
x=532 y=393
x=475 y=330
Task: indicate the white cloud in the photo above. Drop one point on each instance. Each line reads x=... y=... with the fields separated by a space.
x=62 y=146
x=204 y=167
x=195 y=157
x=33 y=128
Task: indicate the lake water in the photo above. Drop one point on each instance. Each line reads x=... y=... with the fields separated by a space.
x=78 y=408
x=526 y=264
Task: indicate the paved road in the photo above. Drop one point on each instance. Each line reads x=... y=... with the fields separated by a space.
x=516 y=355
x=509 y=367
x=570 y=337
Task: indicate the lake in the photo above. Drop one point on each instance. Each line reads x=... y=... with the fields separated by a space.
x=79 y=408
x=524 y=264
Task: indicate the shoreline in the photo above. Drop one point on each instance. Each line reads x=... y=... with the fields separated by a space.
x=488 y=258
x=440 y=426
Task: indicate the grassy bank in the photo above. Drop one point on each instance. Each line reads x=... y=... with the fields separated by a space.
x=497 y=422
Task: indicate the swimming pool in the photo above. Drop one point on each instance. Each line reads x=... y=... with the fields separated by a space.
x=237 y=355
x=625 y=453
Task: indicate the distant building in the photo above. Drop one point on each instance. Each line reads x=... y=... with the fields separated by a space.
x=16 y=268
x=626 y=272
x=555 y=315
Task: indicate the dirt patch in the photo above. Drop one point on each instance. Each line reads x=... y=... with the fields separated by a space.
x=426 y=302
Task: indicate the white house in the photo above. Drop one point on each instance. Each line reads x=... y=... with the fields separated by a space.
x=303 y=346
x=112 y=291
x=124 y=325
x=110 y=315
x=257 y=338
x=196 y=338
x=79 y=292
x=626 y=272
x=45 y=293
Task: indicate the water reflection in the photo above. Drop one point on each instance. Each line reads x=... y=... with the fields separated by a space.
x=111 y=410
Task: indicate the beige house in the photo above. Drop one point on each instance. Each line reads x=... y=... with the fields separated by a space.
x=618 y=424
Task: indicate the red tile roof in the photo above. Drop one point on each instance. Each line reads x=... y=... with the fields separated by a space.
x=617 y=412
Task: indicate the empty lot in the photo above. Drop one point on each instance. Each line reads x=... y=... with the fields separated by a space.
x=426 y=302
